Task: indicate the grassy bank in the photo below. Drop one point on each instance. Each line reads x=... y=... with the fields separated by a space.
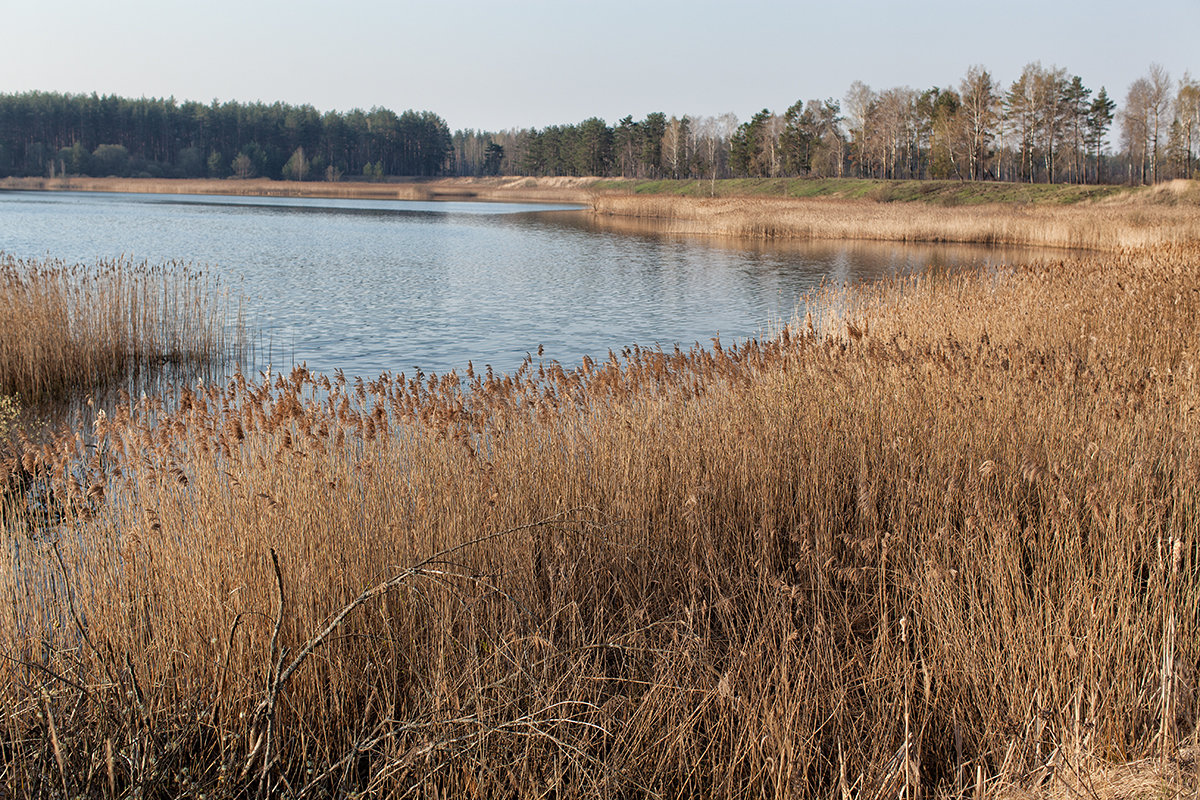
x=947 y=193
x=943 y=536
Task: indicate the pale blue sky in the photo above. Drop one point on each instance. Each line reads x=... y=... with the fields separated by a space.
x=497 y=65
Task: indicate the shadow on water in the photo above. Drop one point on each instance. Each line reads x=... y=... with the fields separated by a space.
x=164 y=379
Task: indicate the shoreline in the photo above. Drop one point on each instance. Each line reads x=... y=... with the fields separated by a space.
x=519 y=190
x=1129 y=218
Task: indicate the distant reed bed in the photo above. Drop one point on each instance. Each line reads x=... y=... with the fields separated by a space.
x=941 y=538
x=68 y=328
x=1111 y=224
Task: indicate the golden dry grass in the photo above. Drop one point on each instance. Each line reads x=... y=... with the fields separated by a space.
x=942 y=538
x=1102 y=225
x=72 y=327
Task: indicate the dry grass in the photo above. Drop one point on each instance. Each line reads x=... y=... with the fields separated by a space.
x=545 y=190
x=1142 y=779
x=72 y=328
x=945 y=541
x=1121 y=222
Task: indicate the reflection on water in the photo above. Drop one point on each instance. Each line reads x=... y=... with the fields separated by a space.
x=855 y=260
x=369 y=286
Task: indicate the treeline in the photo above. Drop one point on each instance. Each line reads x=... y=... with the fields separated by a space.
x=1046 y=126
x=47 y=133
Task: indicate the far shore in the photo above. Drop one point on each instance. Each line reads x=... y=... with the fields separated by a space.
x=521 y=190
x=1095 y=218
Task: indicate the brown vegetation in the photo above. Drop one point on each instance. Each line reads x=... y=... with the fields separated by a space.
x=1102 y=225
x=942 y=538
x=67 y=328
x=541 y=190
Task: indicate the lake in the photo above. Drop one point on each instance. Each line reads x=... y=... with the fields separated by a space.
x=369 y=286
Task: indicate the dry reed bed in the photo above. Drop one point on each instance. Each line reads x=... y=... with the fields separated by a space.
x=1120 y=223
x=943 y=541
x=71 y=327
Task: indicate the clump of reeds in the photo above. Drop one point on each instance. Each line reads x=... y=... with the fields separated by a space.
x=940 y=539
x=70 y=328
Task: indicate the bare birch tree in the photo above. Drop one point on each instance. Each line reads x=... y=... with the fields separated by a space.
x=1187 y=121
x=1159 y=101
x=979 y=105
x=1136 y=125
x=859 y=99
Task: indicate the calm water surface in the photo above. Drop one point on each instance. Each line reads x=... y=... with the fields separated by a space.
x=370 y=286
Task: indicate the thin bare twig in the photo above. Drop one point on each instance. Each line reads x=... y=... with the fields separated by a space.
x=394 y=582
x=75 y=616
x=263 y=751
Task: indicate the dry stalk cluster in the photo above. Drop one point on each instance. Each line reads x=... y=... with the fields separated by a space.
x=940 y=539
x=72 y=327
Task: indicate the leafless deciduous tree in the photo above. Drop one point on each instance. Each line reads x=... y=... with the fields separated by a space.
x=1158 y=102
x=674 y=146
x=1185 y=129
x=858 y=101
x=1135 y=128
x=979 y=106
